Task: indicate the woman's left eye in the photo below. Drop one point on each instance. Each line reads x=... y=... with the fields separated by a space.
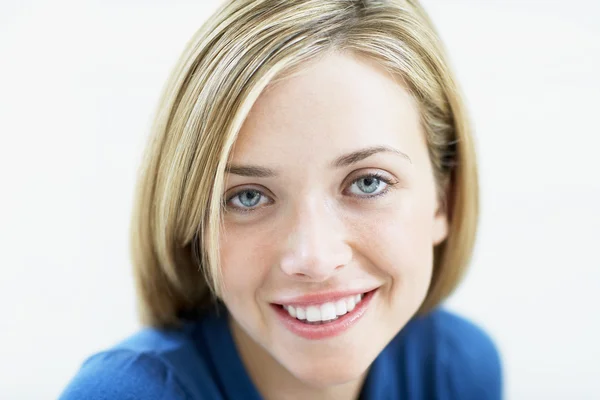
x=371 y=185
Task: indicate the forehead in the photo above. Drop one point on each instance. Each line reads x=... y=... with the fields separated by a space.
x=340 y=102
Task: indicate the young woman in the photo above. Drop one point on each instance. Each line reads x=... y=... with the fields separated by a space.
x=307 y=200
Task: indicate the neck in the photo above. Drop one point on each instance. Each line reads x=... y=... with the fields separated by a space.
x=274 y=381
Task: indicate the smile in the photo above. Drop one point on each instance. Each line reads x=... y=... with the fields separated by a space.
x=316 y=321
x=321 y=313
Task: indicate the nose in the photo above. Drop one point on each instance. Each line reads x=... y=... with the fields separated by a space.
x=315 y=246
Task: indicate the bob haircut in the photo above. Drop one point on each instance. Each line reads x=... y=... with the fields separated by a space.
x=243 y=47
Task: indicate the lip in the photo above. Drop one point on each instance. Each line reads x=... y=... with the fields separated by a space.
x=326 y=330
x=319 y=298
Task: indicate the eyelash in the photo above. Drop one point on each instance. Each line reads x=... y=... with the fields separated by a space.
x=389 y=184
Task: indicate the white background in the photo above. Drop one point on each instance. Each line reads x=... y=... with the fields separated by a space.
x=78 y=85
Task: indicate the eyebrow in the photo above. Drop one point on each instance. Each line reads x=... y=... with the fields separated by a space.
x=344 y=160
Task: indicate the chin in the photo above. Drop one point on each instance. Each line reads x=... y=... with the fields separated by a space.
x=321 y=372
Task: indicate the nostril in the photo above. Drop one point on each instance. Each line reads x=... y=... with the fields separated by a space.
x=301 y=276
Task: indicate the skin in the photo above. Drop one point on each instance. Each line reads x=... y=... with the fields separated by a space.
x=312 y=227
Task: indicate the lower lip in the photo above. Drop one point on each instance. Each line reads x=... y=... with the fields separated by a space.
x=325 y=330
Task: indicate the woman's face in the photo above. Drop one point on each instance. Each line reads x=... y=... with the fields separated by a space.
x=330 y=195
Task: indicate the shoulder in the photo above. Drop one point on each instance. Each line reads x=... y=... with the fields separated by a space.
x=458 y=335
x=122 y=374
x=463 y=357
x=151 y=364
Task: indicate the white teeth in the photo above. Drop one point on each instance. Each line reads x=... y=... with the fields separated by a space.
x=292 y=311
x=300 y=313
x=326 y=311
x=313 y=314
x=350 y=303
x=340 y=307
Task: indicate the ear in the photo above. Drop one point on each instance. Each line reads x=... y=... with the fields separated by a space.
x=440 y=223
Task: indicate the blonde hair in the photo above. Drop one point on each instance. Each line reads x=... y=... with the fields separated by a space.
x=224 y=68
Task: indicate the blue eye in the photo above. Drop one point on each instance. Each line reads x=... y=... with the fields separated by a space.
x=247 y=198
x=369 y=186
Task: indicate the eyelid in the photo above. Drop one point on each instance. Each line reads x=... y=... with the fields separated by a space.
x=258 y=188
x=386 y=177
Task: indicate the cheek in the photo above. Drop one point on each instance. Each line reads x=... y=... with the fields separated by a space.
x=245 y=261
x=398 y=244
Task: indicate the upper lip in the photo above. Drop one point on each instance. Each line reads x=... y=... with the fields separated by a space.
x=319 y=298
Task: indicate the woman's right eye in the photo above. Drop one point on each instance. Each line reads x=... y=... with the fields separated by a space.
x=246 y=200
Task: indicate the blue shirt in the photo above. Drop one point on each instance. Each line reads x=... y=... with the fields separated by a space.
x=436 y=356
